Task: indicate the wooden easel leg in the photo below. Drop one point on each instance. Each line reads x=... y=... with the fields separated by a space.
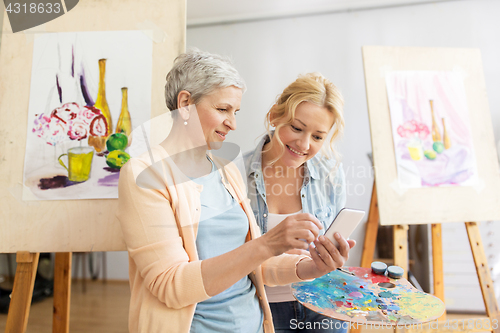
x=22 y=292
x=437 y=264
x=400 y=233
x=371 y=231
x=62 y=292
x=483 y=274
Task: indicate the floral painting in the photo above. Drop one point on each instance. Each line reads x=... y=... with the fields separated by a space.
x=431 y=129
x=88 y=91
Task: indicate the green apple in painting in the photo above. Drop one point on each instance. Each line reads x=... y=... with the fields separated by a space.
x=117 y=158
x=117 y=141
x=438 y=147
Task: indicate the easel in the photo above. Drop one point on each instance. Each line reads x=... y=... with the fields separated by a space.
x=67 y=226
x=27 y=263
x=400 y=233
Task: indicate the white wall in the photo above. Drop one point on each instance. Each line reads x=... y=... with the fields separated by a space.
x=270 y=54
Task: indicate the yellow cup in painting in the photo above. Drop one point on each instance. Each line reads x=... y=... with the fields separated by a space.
x=416 y=153
x=79 y=162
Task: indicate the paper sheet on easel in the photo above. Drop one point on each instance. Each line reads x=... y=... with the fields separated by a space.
x=431 y=129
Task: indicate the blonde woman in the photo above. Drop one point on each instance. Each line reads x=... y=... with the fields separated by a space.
x=295 y=170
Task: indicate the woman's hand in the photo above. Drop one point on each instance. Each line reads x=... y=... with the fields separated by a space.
x=298 y=251
x=294 y=232
x=325 y=257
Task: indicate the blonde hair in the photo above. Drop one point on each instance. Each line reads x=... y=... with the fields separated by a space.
x=313 y=88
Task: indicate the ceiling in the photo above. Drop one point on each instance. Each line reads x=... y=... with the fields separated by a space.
x=207 y=12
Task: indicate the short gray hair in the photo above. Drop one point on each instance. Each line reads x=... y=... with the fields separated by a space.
x=200 y=73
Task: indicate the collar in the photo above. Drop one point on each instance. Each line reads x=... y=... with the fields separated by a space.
x=255 y=165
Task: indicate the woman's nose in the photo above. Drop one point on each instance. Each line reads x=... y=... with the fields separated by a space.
x=303 y=143
x=231 y=122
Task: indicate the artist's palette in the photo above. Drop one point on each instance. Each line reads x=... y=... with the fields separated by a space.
x=366 y=297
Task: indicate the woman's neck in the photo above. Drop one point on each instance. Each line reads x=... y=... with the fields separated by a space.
x=188 y=155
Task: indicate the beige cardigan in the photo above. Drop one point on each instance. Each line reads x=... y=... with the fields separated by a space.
x=159 y=210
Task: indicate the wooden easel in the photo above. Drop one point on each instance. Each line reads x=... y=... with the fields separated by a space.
x=66 y=226
x=27 y=263
x=400 y=233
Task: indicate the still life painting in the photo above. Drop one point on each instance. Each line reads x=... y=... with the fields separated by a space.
x=431 y=129
x=88 y=92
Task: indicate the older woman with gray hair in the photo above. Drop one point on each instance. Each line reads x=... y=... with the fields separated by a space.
x=198 y=262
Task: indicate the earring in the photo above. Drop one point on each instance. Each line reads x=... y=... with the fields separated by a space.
x=273 y=125
x=185 y=123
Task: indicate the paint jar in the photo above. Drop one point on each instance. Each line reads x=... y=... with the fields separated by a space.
x=395 y=272
x=379 y=267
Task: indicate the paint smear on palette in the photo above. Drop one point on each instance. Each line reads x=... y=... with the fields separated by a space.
x=359 y=298
x=356 y=294
x=409 y=298
x=369 y=275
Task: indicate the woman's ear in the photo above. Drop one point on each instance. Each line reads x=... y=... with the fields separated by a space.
x=183 y=101
x=183 y=98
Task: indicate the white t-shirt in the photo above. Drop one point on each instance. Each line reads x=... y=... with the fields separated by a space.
x=279 y=293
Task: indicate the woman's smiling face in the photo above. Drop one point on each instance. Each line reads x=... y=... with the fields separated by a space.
x=217 y=113
x=304 y=137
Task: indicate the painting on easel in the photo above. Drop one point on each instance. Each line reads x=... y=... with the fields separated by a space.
x=431 y=129
x=89 y=90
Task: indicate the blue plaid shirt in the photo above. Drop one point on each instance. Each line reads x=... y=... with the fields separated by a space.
x=322 y=194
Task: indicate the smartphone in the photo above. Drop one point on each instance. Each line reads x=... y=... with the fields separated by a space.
x=344 y=223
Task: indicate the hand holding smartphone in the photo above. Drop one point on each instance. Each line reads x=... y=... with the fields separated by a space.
x=344 y=223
